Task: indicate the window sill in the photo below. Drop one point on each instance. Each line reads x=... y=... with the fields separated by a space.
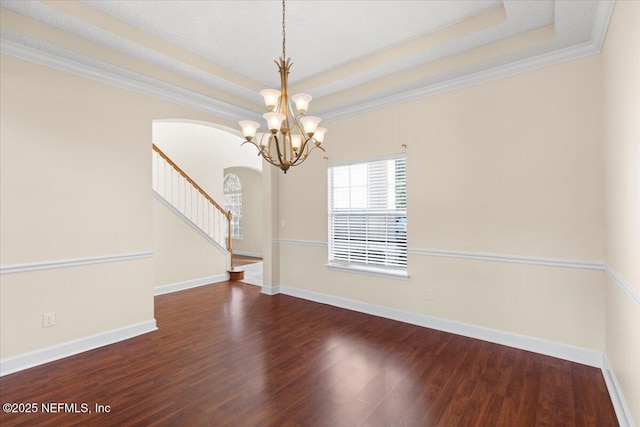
x=370 y=271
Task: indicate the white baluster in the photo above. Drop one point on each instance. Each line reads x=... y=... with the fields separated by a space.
x=200 y=206
x=216 y=219
x=153 y=169
x=164 y=180
x=212 y=220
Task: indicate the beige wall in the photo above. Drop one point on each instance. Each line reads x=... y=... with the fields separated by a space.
x=271 y=250
x=252 y=235
x=76 y=183
x=621 y=71
x=510 y=167
x=180 y=252
x=513 y=166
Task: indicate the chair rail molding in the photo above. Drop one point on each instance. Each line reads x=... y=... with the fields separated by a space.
x=74 y=262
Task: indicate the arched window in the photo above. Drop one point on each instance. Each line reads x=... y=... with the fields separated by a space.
x=233 y=203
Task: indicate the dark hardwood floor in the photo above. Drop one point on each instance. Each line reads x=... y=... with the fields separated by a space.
x=225 y=355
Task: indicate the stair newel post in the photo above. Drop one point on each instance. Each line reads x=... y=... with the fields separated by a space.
x=229 y=248
x=234 y=275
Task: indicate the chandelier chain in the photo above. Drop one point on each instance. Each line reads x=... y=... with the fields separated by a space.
x=291 y=137
x=284 y=38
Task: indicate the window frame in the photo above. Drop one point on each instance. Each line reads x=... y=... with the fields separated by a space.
x=393 y=270
x=236 y=218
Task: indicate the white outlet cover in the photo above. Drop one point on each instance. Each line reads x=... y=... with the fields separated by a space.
x=48 y=319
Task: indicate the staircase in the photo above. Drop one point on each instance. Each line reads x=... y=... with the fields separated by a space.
x=188 y=200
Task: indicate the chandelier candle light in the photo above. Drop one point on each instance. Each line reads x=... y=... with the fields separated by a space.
x=291 y=138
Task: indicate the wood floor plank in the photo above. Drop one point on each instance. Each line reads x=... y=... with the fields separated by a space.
x=226 y=355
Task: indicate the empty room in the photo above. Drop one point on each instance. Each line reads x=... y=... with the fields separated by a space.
x=320 y=213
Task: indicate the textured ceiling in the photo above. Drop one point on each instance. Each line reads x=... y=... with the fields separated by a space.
x=350 y=55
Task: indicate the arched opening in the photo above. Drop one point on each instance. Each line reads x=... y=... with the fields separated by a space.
x=214 y=158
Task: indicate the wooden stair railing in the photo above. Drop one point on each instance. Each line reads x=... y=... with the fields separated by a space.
x=182 y=192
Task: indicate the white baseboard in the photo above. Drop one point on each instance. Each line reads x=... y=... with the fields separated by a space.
x=253 y=284
x=194 y=283
x=245 y=253
x=28 y=360
x=523 y=342
x=270 y=290
x=615 y=392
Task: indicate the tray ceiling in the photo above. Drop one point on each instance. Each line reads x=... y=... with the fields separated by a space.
x=349 y=55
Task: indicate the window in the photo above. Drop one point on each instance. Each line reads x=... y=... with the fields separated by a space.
x=233 y=203
x=368 y=216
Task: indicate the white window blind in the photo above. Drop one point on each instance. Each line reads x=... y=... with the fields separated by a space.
x=368 y=214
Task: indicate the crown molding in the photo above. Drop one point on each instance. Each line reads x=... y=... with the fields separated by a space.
x=601 y=22
x=175 y=94
x=140 y=83
x=598 y=34
x=555 y=57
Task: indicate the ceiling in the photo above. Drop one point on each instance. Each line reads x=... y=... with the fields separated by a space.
x=351 y=56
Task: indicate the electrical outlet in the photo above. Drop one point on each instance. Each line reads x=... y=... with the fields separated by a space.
x=430 y=295
x=48 y=319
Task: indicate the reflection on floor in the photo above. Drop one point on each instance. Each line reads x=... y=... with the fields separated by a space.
x=227 y=355
x=253 y=274
x=252 y=267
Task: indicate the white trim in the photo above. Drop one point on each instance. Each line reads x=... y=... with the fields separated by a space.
x=141 y=83
x=554 y=262
x=188 y=284
x=623 y=413
x=543 y=60
x=172 y=93
x=601 y=22
x=193 y=226
x=257 y=285
x=537 y=345
x=626 y=287
x=47 y=265
x=300 y=242
x=270 y=290
x=28 y=360
x=245 y=253
x=551 y=262
x=369 y=271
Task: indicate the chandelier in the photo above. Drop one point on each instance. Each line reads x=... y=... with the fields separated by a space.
x=291 y=137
